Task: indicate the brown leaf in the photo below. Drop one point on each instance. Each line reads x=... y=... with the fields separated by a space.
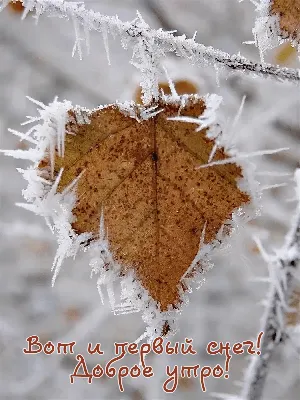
x=155 y=203
x=16 y=7
x=289 y=17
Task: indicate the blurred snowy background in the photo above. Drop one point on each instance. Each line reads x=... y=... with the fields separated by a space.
x=36 y=61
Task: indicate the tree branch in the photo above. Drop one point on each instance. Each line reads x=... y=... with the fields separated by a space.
x=282 y=272
x=166 y=41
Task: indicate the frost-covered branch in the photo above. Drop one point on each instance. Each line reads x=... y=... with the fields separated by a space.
x=147 y=42
x=282 y=269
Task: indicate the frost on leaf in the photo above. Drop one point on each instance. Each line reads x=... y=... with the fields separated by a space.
x=181 y=86
x=139 y=177
x=288 y=12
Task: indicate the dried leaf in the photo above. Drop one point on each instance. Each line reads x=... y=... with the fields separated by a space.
x=288 y=12
x=155 y=203
x=16 y=7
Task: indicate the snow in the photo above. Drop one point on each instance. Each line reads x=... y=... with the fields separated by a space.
x=208 y=118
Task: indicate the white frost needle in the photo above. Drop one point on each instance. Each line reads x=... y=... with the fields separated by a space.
x=231 y=139
x=38 y=103
x=266 y=257
x=272 y=173
x=23 y=136
x=87 y=38
x=182 y=118
x=56 y=183
x=276 y=282
x=105 y=41
x=224 y=396
x=276 y=185
x=26 y=206
x=30 y=154
x=72 y=184
x=203 y=234
x=171 y=84
x=30 y=120
x=243 y=156
x=77 y=44
x=27 y=8
x=213 y=152
x=261 y=280
x=291 y=199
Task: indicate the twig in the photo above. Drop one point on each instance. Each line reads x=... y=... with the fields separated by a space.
x=282 y=271
x=166 y=41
